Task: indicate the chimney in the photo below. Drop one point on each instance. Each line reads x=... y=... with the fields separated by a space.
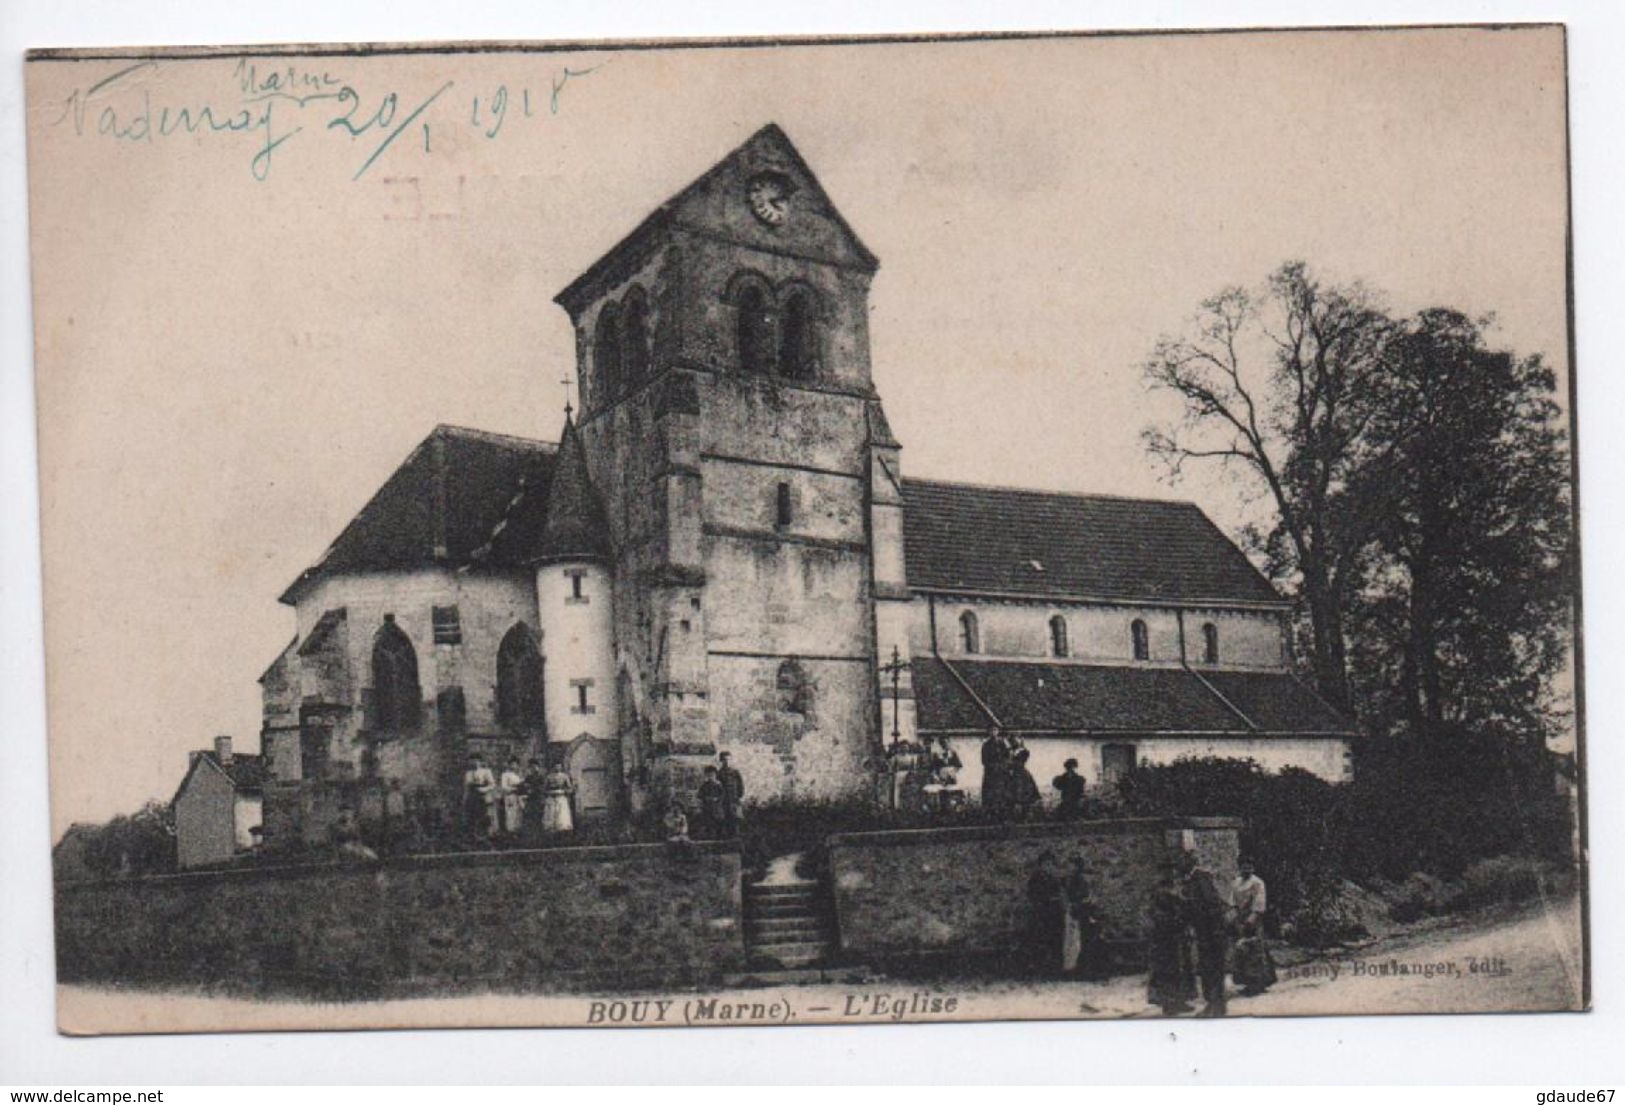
x=222 y=750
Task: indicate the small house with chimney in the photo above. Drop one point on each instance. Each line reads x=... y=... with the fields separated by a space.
x=218 y=806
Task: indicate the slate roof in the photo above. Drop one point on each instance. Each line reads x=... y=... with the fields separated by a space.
x=965 y=537
x=1084 y=698
x=247 y=771
x=439 y=506
x=561 y=520
x=1278 y=702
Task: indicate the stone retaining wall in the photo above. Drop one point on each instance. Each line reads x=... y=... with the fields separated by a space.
x=963 y=891
x=621 y=915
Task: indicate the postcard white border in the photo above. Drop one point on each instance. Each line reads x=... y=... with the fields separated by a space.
x=1561 y=1050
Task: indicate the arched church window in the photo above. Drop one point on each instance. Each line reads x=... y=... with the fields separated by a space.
x=1142 y=640
x=798 y=337
x=606 y=356
x=1210 y=643
x=970 y=634
x=792 y=686
x=396 y=694
x=519 y=680
x=634 y=337
x=755 y=329
x=1058 y=643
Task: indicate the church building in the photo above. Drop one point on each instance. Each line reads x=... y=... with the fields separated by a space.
x=721 y=553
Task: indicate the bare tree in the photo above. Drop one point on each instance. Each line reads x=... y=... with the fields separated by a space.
x=1284 y=384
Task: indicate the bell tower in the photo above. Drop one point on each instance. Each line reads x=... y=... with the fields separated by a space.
x=750 y=482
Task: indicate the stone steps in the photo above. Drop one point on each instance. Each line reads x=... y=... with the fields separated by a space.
x=775 y=929
x=788 y=925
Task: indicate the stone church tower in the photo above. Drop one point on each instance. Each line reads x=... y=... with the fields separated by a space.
x=750 y=482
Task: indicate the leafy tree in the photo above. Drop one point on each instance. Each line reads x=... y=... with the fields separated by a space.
x=142 y=843
x=1285 y=385
x=1465 y=615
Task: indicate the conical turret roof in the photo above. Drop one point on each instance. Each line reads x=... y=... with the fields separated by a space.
x=576 y=527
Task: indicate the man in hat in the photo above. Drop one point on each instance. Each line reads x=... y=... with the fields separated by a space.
x=1071 y=785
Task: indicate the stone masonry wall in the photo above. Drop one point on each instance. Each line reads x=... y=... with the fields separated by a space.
x=610 y=916
x=963 y=891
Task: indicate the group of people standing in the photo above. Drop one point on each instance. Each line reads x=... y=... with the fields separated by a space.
x=717 y=803
x=1192 y=926
x=1009 y=790
x=516 y=805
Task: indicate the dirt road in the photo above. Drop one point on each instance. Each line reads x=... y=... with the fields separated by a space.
x=1528 y=962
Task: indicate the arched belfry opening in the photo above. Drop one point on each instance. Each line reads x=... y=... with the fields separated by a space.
x=798 y=336
x=753 y=328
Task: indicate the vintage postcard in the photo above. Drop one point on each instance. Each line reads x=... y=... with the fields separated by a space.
x=809 y=531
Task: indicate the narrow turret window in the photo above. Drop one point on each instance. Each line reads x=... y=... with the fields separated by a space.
x=577 y=588
x=1210 y=643
x=1058 y=643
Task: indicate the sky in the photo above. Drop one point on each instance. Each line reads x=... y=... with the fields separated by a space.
x=235 y=348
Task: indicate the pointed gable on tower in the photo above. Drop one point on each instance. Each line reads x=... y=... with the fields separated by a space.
x=710 y=206
x=818 y=232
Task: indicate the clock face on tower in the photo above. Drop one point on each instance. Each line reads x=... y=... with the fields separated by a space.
x=769 y=197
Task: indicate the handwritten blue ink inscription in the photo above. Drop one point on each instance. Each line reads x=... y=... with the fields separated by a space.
x=271 y=103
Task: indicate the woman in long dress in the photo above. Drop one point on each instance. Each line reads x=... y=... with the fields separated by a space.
x=1081 y=951
x=511 y=789
x=556 y=791
x=479 y=794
